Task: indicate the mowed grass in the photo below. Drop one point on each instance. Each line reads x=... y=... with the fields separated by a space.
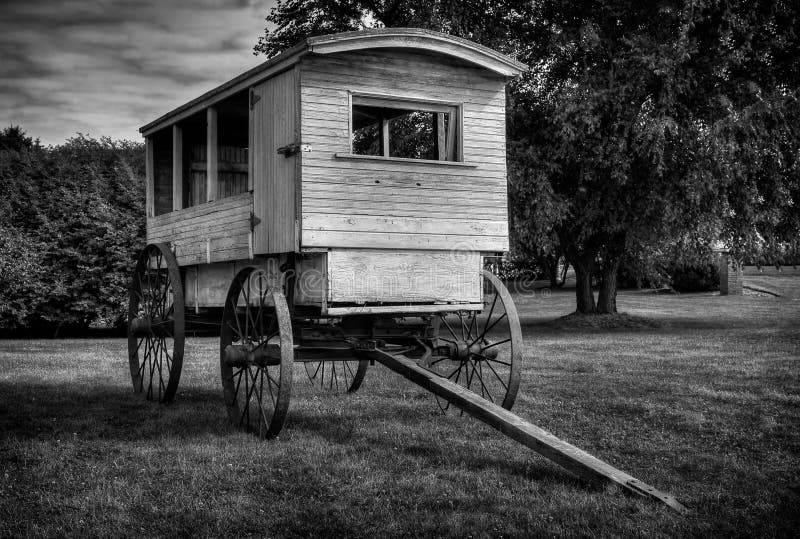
x=705 y=406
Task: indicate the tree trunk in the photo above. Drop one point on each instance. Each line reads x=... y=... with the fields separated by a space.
x=607 y=297
x=564 y=270
x=584 y=296
x=552 y=271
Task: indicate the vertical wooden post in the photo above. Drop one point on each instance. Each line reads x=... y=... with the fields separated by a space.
x=385 y=137
x=441 y=137
x=177 y=167
x=451 y=134
x=211 y=154
x=150 y=177
x=251 y=127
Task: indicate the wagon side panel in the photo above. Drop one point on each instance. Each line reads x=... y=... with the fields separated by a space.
x=213 y=232
x=352 y=202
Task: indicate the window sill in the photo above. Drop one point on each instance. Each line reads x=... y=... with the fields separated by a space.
x=380 y=158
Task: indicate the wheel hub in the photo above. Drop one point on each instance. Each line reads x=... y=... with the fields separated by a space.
x=461 y=350
x=140 y=326
x=145 y=326
x=481 y=351
x=242 y=355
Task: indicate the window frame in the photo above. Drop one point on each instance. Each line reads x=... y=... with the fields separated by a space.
x=456 y=109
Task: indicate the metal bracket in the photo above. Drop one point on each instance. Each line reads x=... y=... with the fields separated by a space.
x=364 y=344
x=289 y=150
x=293 y=148
x=254 y=221
x=254 y=98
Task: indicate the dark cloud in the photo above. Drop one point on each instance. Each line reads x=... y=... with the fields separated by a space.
x=106 y=67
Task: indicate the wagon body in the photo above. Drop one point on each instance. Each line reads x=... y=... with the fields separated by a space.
x=371 y=163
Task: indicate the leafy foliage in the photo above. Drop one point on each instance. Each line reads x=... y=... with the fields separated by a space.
x=72 y=220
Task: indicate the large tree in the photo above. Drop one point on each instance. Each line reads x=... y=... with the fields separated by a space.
x=641 y=125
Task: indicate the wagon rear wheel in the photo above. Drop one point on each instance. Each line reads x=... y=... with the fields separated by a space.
x=481 y=351
x=256 y=354
x=156 y=324
x=337 y=376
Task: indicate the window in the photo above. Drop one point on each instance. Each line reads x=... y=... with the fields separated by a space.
x=182 y=161
x=162 y=171
x=193 y=131
x=385 y=127
x=232 y=135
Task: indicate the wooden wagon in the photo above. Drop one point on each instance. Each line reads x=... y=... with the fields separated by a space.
x=334 y=207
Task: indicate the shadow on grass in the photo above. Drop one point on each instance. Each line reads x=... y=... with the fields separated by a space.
x=432 y=453
x=109 y=413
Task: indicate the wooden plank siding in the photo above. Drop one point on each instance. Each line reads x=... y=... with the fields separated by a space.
x=224 y=223
x=273 y=121
x=365 y=203
x=389 y=275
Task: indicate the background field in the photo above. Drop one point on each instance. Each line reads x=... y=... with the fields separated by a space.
x=701 y=400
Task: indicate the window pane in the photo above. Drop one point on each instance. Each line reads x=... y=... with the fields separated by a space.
x=367 y=140
x=410 y=133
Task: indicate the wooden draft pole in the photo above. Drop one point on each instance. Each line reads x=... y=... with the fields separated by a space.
x=567 y=455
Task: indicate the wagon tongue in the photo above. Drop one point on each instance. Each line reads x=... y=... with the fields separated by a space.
x=567 y=455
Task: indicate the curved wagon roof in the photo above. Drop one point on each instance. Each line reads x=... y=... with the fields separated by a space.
x=396 y=38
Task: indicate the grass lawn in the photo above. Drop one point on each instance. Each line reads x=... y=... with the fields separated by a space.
x=705 y=406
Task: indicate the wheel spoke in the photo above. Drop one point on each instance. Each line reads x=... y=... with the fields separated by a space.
x=472 y=325
x=486 y=330
x=270 y=382
x=238 y=328
x=245 y=411
x=240 y=374
x=498 y=343
x=312 y=376
x=500 y=361
x=470 y=374
x=483 y=386
x=444 y=358
x=166 y=355
x=246 y=296
x=334 y=377
x=265 y=423
x=236 y=331
x=497 y=375
x=159 y=366
x=449 y=328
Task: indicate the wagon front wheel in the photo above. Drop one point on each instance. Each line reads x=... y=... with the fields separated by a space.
x=482 y=350
x=156 y=324
x=256 y=354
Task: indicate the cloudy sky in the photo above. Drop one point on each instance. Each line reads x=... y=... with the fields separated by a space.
x=107 y=67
